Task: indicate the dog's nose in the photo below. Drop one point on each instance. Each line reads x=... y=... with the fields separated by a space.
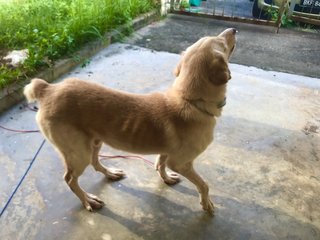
x=228 y=32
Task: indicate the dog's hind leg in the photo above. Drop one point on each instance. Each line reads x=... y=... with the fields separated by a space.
x=75 y=150
x=160 y=165
x=76 y=155
x=110 y=173
x=88 y=200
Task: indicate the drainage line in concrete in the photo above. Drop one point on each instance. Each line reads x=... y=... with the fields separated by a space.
x=23 y=177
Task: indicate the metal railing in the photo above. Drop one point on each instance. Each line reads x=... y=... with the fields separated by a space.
x=267 y=12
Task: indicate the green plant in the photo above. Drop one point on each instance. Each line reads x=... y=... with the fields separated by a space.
x=285 y=19
x=51 y=29
x=85 y=63
x=6 y=74
x=184 y=4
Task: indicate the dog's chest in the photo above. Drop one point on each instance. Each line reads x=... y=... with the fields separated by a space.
x=198 y=137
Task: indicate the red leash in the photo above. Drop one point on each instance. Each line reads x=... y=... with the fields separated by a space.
x=100 y=155
x=35 y=109
x=19 y=131
x=127 y=157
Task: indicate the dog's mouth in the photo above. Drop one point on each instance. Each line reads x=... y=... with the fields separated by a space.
x=235 y=31
x=230 y=38
x=232 y=50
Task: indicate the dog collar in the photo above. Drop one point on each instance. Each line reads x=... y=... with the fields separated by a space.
x=203 y=110
x=222 y=103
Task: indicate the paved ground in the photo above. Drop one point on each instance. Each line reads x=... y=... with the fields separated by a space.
x=289 y=51
x=263 y=167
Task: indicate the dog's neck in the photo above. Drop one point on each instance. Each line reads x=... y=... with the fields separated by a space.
x=208 y=101
x=202 y=106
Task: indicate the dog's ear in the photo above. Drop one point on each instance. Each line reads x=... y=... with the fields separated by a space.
x=219 y=73
x=178 y=67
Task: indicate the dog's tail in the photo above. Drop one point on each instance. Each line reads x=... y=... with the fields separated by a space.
x=35 y=89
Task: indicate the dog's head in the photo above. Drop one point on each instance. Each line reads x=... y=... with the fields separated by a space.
x=206 y=61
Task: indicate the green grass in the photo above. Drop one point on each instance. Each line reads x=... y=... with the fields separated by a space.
x=51 y=29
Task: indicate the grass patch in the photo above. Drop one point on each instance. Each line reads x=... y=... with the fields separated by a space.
x=51 y=29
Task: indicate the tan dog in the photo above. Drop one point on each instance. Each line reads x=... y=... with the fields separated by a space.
x=77 y=117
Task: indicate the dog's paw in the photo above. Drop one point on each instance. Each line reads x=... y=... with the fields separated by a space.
x=92 y=202
x=208 y=206
x=171 y=178
x=115 y=174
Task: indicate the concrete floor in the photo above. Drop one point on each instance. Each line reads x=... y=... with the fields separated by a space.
x=290 y=51
x=263 y=168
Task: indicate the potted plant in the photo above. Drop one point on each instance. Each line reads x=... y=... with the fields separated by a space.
x=184 y=4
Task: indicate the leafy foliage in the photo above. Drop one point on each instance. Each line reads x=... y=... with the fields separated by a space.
x=285 y=19
x=51 y=29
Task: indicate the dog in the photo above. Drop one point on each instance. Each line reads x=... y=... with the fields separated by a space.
x=77 y=117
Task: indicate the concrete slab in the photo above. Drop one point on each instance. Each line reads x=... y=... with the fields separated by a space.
x=16 y=150
x=289 y=51
x=263 y=167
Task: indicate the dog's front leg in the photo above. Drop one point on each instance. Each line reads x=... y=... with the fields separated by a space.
x=110 y=173
x=188 y=172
